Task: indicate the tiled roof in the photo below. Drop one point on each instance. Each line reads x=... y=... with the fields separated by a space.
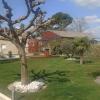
x=70 y=34
x=49 y=36
x=54 y=34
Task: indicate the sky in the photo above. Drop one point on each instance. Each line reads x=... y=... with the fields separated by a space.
x=88 y=9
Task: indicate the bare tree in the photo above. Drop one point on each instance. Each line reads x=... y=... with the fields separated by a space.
x=19 y=38
x=78 y=25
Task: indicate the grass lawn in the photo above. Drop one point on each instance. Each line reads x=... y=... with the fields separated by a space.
x=66 y=80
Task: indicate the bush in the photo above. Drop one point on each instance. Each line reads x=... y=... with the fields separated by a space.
x=94 y=51
x=63 y=46
x=57 y=50
x=67 y=48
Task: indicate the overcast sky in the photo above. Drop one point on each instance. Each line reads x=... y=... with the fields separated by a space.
x=88 y=9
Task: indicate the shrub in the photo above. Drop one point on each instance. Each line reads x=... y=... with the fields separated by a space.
x=94 y=51
x=67 y=48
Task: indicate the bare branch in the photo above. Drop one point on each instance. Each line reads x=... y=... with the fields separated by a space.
x=23 y=17
x=34 y=29
x=3 y=33
x=8 y=9
x=30 y=24
x=47 y=22
x=30 y=7
x=26 y=32
x=9 y=24
x=3 y=18
x=38 y=18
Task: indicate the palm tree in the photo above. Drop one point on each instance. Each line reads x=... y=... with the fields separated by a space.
x=81 y=45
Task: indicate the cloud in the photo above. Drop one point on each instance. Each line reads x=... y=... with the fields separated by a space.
x=92 y=19
x=94 y=24
x=89 y=3
x=94 y=31
x=90 y=24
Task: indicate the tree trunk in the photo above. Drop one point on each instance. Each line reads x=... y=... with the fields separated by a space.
x=81 y=59
x=24 y=67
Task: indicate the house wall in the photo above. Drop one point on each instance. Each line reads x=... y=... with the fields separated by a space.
x=6 y=46
x=41 y=46
x=34 y=45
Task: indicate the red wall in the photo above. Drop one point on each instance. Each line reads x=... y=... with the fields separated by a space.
x=33 y=45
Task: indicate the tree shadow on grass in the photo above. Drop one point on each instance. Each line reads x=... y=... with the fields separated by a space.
x=20 y=97
x=85 y=61
x=47 y=76
x=94 y=74
x=8 y=61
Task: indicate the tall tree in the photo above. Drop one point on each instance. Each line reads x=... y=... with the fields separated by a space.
x=62 y=20
x=19 y=38
x=81 y=45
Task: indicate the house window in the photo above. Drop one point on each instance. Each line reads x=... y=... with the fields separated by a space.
x=2 y=47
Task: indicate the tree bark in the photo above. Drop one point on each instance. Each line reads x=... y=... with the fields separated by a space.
x=24 y=67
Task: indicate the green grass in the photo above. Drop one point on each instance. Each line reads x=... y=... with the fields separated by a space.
x=66 y=80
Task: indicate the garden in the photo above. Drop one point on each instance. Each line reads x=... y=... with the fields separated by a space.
x=70 y=72
x=65 y=80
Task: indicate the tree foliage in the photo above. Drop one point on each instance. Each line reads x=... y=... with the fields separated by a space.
x=63 y=46
x=81 y=45
x=68 y=48
x=62 y=20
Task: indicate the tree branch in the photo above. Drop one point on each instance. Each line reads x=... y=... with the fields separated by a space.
x=30 y=24
x=2 y=33
x=23 y=17
x=4 y=18
x=34 y=29
x=8 y=9
x=39 y=15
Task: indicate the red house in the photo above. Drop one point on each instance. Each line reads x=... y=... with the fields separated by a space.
x=33 y=45
x=41 y=44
